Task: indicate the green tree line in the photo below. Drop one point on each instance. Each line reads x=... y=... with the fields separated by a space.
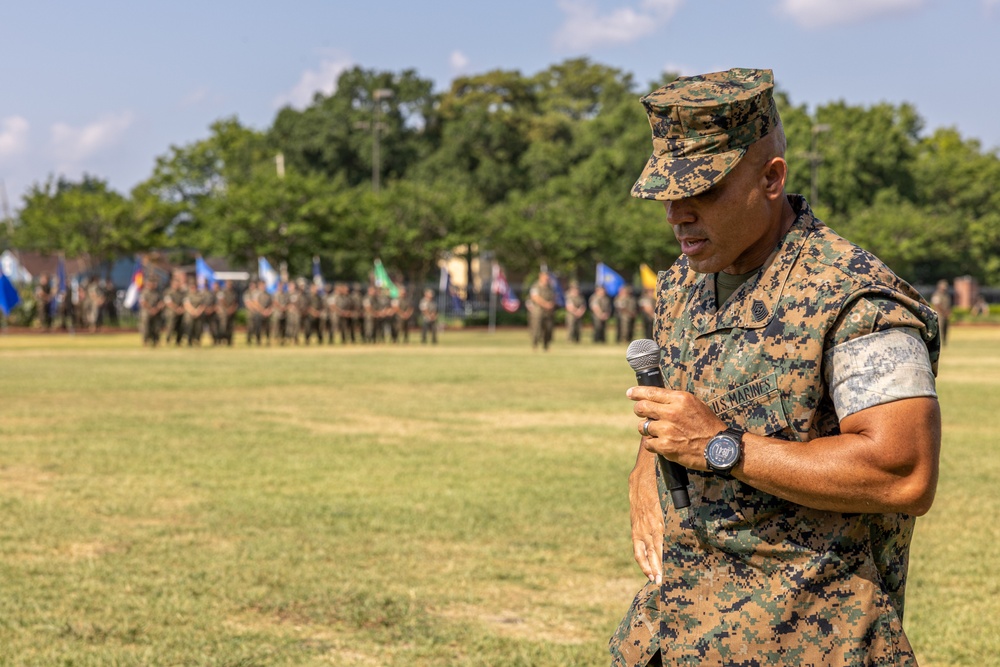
x=533 y=169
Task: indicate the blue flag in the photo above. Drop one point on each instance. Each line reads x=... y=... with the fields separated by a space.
x=318 y=275
x=204 y=274
x=268 y=275
x=8 y=295
x=609 y=279
x=60 y=287
x=557 y=288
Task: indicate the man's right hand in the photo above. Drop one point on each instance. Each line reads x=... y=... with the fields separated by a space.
x=647 y=516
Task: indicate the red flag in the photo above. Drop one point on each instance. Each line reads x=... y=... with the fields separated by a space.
x=508 y=299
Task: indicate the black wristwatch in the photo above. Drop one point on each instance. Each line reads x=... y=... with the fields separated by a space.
x=724 y=451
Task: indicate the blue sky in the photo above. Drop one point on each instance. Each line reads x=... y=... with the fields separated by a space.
x=106 y=86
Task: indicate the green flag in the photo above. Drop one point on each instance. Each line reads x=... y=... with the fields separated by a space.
x=382 y=279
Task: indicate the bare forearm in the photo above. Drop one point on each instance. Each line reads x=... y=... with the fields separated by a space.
x=885 y=458
x=852 y=472
x=646 y=516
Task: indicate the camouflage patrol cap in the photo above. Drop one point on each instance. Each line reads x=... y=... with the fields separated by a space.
x=702 y=126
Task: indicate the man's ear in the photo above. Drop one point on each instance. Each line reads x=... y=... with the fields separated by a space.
x=773 y=175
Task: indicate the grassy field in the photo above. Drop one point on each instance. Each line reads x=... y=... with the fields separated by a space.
x=462 y=504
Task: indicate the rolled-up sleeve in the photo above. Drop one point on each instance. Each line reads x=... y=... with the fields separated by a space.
x=878 y=368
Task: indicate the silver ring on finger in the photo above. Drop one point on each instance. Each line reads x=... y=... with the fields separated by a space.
x=645 y=427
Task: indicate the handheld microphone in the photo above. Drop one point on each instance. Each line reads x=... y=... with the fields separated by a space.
x=644 y=357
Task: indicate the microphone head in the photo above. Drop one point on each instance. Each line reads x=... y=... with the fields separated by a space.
x=642 y=354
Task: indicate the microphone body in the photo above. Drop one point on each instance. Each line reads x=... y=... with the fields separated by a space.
x=639 y=354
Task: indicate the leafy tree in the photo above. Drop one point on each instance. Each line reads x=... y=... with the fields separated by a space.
x=77 y=218
x=485 y=122
x=285 y=219
x=335 y=135
x=189 y=178
x=918 y=243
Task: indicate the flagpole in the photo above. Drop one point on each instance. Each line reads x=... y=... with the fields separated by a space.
x=493 y=299
x=443 y=279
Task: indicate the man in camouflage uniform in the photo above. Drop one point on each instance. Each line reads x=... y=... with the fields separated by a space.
x=196 y=300
x=801 y=400
x=65 y=308
x=402 y=314
x=173 y=310
x=279 y=307
x=93 y=303
x=626 y=308
x=343 y=311
x=383 y=315
x=647 y=314
x=941 y=303
x=541 y=311
x=369 y=314
x=44 y=297
x=332 y=313
x=209 y=319
x=150 y=309
x=313 y=314
x=293 y=312
x=576 y=308
x=263 y=311
x=354 y=314
x=428 y=310
x=600 y=311
x=226 y=305
x=109 y=310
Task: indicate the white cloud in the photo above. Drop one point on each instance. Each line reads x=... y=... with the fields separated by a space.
x=13 y=136
x=321 y=80
x=195 y=97
x=680 y=69
x=72 y=145
x=459 y=62
x=825 y=13
x=586 y=27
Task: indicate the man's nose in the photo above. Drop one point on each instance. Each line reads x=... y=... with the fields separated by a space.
x=678 y=212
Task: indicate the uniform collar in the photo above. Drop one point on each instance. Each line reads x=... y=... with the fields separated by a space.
x=753 y=305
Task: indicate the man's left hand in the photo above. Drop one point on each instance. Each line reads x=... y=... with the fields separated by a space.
x=681 y=424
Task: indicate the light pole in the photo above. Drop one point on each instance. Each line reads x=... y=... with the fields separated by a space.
x=376 y=127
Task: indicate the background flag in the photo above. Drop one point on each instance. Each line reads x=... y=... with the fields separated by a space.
x=8 y=295
x=648 y=277
x=60 y=287
x=134 y=288
x=609 y=279
x=508 y=299
x=382 y=279
x=318 y=275
x=445 y=286
x=268 y=275
x=557 y=288
x=204 y=275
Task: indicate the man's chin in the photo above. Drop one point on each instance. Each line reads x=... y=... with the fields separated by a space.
x=703 y=265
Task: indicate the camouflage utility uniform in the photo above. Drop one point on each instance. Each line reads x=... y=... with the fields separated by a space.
x=226 y=306
x=541 y=312
x=749 y=578
x=150 y=307
x=576 y=306
x=625 y=312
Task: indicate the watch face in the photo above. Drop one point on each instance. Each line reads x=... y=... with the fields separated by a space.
x=723 y=452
